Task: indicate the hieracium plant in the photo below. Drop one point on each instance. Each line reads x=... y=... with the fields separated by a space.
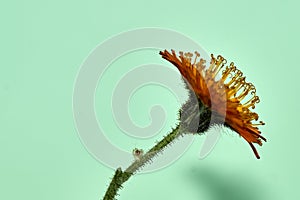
x=226 y=100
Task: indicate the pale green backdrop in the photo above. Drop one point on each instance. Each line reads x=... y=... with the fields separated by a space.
x=43 y=44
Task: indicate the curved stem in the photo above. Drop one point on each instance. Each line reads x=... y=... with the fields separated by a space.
x=122 y=176
x=192 y=114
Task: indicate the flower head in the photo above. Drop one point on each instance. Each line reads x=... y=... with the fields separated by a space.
x=231 y=90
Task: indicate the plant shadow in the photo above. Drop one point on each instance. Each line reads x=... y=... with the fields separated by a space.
x=224 y=185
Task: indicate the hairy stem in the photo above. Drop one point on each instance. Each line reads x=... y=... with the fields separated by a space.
x=122 y=176
x=194 y=118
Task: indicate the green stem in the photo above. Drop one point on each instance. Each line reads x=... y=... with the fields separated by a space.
x=194 y=118
x=122 y=176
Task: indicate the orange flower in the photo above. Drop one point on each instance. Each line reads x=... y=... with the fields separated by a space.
x=230 y=90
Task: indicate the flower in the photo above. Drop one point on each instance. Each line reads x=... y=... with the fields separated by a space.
x=231 y=90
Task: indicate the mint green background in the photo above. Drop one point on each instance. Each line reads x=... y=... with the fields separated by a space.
x=43 y=44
